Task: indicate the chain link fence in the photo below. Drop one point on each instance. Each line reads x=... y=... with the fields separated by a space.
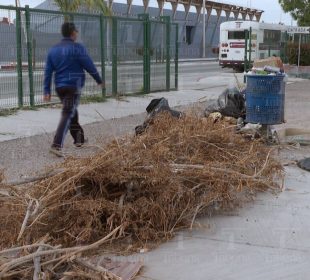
x=133 y=55
x=128 y=36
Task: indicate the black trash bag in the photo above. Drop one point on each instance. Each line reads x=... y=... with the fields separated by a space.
x=155 y=107
x=231 y=103
x=304 y=164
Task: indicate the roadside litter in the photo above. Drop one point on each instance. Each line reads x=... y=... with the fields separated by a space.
x=231 y=103
x=250 y=130
x=155 y=107
x=270 y=64
x=133 y=195
x=293 y=136
x=250 y=105
x=304 y=164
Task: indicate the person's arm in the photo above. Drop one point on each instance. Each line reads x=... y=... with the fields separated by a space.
x=88 y=64
x=48 y=74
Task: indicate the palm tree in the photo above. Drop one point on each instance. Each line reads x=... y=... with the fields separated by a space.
x=68 y=5
x=97 y=5
x=75 y=5
x=92 y=5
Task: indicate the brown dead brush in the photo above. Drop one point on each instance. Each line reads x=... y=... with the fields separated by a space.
x=150 y=186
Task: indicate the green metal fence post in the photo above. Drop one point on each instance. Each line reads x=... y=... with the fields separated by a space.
x=19 y=58
x=114 y=55
x=29 y=52
x=246 y=50
x=34 y=49
x=250 y=47
x=146 y=52
x=167 y=21
x=177 y=57
x=246 y=53
x=102 y=52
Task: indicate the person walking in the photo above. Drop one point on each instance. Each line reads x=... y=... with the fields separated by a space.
x=67 y=61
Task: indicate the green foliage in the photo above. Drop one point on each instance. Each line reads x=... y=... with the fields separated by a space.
x=299 y=9
x=92 y=5
x=68 y=5
x=97 y=5
x=292 y=54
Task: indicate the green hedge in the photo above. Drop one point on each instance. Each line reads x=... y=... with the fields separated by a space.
x=292 y=54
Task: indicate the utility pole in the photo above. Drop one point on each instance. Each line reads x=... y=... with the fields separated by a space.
x=299 y=51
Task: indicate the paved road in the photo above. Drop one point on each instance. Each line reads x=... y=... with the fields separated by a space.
x=190 y=73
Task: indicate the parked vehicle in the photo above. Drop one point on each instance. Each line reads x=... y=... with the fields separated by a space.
x=266 y=40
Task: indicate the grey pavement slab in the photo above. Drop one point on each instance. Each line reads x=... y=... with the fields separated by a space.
x=29 y=123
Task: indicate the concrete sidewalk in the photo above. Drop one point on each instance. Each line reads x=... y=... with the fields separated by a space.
x=45 y=120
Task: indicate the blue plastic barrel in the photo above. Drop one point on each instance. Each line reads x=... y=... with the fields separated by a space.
x=265 y=98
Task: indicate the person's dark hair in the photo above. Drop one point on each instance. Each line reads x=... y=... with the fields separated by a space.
x=67 y=29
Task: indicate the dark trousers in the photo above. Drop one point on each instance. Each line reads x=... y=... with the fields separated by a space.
x=70 y=98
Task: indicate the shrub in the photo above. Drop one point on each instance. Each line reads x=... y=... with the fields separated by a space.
x=292 y=54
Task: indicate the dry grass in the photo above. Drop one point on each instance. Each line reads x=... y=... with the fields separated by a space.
x=150 y=186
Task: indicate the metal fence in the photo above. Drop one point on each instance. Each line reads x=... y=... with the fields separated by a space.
x=133 y=55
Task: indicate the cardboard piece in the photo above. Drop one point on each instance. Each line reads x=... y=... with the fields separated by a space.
x=124 y=269
x=270 y=61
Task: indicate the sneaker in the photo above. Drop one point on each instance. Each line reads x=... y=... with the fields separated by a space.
x=80 y=145
x=57 y=151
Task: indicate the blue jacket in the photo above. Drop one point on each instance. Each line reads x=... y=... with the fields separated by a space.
x=68 y=60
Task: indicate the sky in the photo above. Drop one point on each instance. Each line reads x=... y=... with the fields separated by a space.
x=273 y=14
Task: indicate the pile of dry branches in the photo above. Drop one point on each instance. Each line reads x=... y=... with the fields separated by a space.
x=43 y=261
x=146 y=187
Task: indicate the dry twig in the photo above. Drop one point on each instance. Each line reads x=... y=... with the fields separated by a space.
x=144 y=188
